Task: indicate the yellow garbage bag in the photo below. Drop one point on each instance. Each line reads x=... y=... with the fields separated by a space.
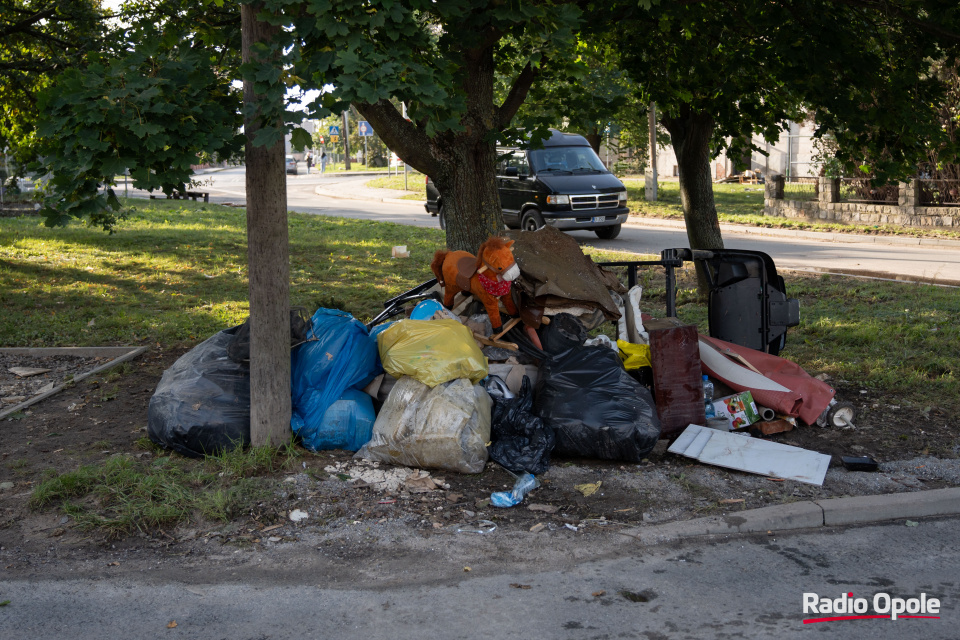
x=431 y=351
x=634 y=356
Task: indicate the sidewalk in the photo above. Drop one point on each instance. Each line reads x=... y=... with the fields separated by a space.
x=352 y=191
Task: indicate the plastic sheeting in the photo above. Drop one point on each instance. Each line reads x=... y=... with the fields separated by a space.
x=596 y=409
x=342 y=357
x=202 y=404
x=521 y=441
x=432 y=351
x=446 y=427
x=781 y=384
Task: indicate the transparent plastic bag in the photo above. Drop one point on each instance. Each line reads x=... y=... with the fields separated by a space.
x=446 y=427
x=432 y=351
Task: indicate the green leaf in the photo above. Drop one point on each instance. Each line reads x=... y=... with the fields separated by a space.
x=300 y=139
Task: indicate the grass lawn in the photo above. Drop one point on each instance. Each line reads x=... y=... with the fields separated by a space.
x=414 y=182
x=176 y=272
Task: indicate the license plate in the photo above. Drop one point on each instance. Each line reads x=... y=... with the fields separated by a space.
x=599 y=219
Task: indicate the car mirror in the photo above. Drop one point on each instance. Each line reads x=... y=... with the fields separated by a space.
x=511 y=172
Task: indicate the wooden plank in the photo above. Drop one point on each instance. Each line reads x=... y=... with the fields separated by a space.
x=82 y=352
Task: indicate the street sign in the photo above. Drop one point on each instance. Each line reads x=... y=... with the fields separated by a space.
x=364 y=128
x=334 y=130
x=334 y=138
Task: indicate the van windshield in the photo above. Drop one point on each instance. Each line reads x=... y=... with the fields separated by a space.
x=566 y=160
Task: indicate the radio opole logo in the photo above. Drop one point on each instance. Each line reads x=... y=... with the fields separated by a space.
x=882 y=605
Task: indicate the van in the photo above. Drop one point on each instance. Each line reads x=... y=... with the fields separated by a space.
x=564 y=184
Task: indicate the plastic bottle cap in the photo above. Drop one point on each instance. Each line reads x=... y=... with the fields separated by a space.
x=706 y=377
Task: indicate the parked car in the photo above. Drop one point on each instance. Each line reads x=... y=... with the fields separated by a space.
x=292 y=165
x=564 y=184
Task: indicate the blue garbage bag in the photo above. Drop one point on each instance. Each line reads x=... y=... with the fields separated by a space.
x=342 y=357
x=346 y=424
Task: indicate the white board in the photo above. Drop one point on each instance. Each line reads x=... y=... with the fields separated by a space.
x=753 y=455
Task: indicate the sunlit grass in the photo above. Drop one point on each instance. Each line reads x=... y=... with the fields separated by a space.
x=176 y=272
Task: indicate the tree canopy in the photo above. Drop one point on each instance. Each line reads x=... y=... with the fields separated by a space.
x=39 y=39
x=442 y=59
x=722 y=73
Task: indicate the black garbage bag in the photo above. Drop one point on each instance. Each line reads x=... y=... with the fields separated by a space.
x=202 y=404
x=564 y=332
x=595 y=408
x=521 y=441
x=238 y=348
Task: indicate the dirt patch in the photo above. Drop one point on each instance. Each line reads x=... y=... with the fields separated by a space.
x=360 y=527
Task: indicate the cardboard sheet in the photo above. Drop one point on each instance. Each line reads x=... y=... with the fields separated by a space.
x=733 y=451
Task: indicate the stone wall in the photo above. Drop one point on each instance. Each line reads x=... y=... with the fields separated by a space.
x=906 y=213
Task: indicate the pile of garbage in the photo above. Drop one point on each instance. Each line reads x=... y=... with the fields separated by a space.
x=442 y=388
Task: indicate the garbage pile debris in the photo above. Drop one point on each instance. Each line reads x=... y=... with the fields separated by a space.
x=524 y=354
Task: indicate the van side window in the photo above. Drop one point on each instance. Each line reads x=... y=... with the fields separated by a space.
x=517 y=159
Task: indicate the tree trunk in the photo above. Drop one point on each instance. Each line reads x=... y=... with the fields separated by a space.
x=346 y=141
x=691 y=134
x=471 y=199
x=268 y=260
x=594 y=138
x=461 y=164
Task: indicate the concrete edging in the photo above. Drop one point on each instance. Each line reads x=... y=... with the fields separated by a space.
x=119 y=354
x=808 y=515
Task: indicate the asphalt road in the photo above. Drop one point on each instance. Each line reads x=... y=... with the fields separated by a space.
x=895 y=261
x=742 y=587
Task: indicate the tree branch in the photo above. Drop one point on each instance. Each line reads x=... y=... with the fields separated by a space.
x=400 y=135
x=516 y=96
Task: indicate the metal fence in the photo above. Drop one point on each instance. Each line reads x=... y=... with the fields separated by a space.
x=860 y=190
x=795 y=188
x=939 y=193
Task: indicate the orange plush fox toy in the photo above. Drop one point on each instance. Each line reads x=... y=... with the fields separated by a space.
x=487 y=276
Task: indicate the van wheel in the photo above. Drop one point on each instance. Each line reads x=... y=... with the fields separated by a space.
x=442 y=215
x=608 y=233
x=531 y=221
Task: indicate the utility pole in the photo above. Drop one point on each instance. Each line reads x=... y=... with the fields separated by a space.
x=346 y=142
x=405 y=169
x=651 y=190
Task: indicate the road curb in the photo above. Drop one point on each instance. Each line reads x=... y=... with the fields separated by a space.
x=861 y=509
x=807 y=515
x=823 y=236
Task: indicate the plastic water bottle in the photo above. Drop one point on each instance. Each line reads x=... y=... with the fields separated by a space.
x=708 y=398
x=524 y=485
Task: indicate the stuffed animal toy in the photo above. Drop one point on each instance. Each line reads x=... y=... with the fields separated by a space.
x=487 y=276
